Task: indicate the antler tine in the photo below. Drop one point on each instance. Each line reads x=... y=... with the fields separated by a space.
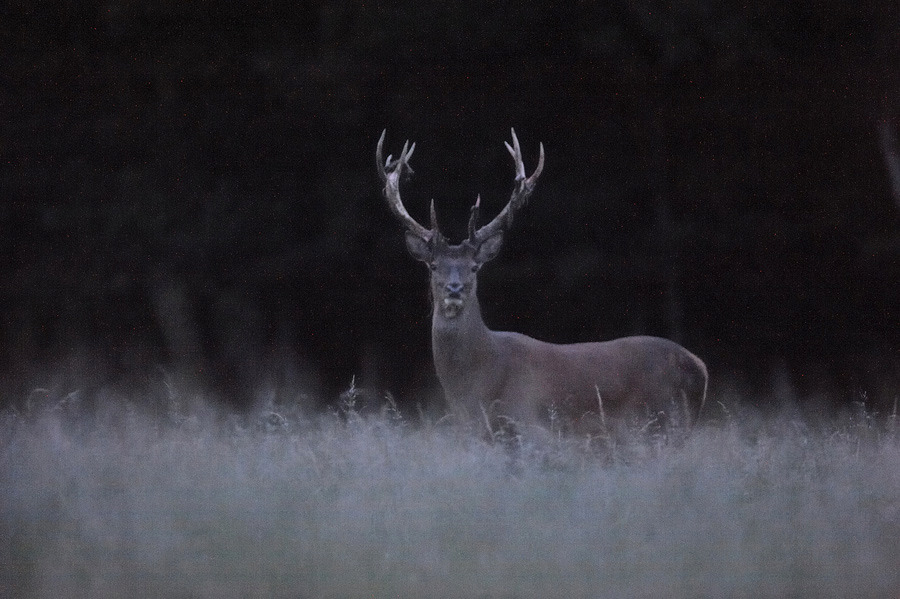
x=390 y=172
x=524 y=187
x=516 y=152
x=379 y=161
x=436 y=236
x=473 y=218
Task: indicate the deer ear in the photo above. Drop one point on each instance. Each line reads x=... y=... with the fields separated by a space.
x=489 y=248
x=418 y=247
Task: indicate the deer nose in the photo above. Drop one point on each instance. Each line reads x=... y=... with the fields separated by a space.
x=454 y=288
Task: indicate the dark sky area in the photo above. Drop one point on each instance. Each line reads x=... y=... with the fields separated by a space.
x=190 y=186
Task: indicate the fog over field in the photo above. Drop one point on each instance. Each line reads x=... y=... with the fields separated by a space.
x=127 y=498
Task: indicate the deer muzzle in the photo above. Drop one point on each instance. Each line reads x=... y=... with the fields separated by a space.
x=452 y=305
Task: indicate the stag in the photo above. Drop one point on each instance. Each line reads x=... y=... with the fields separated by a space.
x=513 y=377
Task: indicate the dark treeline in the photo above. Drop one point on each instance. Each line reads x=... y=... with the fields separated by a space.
x=191 y=185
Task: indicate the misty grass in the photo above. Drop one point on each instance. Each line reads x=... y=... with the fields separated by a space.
x=199 y=503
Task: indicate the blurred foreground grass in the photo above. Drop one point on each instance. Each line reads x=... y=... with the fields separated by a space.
x=200 y=503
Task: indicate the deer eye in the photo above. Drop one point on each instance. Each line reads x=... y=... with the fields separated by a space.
x=475 y=268
x=432 y=266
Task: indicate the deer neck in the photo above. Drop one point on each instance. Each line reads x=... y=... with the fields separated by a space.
x=463 y=348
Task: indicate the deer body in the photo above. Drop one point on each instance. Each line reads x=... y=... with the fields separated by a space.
x=516 y=377
x=526 y=379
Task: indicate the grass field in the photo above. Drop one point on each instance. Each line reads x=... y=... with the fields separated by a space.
x=194 y=502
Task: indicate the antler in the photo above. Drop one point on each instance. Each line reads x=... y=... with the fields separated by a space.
x=390 y=172
x=524 y=187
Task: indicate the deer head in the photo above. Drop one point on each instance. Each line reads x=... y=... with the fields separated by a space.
x=454 y=267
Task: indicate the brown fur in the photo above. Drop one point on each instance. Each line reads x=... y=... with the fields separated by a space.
x=512 y=375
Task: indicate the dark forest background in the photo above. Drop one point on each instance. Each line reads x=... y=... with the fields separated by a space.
x=189 y=187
